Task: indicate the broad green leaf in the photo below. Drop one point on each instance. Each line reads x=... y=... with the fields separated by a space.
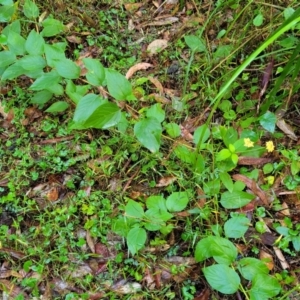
x=236 y=227
x=222 y=278
x=6 y=12
x=52 y=27
x=122 y=225
x=160 y=213
x=67 y=68
x=41 y=97
x=30 y=9
x=118 y=86
x=185 y=154
x=14 y=26
x=223 y=155
x=46 y=80
x=76 y=92
x=195 y=44
x=34 y=43
x=55 y=88
x=96 y=71
x=58 y=106
x=156 y=111
x=235 y=199
x=268 y=121
x=227 y=181
x=296 y=242
x=153 y=222
x=54 y=53
x=148 y=132
x=16 y=43
x=212 y=187
x=264 y=287
x=12 y=72
x=134 y=209
x=287 y=12
x=7 y=58
x=32 y=62
x=202 y=133
x=173 y=130
x=94 y=112
x=249 y=267
x=157 y=202
x=177 y=201
x=229 y=136
x=258 y=20
x=136 y=239
x=221 y=249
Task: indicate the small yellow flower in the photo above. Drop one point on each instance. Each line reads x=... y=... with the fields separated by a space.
x=270 y=146
x=248 y=143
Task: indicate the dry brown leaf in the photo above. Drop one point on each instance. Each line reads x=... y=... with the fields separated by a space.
x=74 y=39
x=157 y=84
x=157 y=46
x=287 y=129
x=124 y=287
x=160 y=99
x=89 y=241
x=250 y=161
x=10 y=289
x=267 y=259
x=130 y=25
x=165 y=181
x=186 y=134
x=133 y=7
x=166 y=21
x=12 y=252
x=204 y=295
x=137 y=67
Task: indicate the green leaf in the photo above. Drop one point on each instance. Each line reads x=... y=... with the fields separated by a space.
x=258 y=20
x=46 y=80
x=195 y=43
x=157 y=202
x=136 y=239
x=118 y=86
x=148 y=132
x=58 y=106
x=52 y=27
x=67 y=68
x=236 y=227
x=223 y=154
x=41 y=97
x=54 y=53
x=288 y=12
x=201 y=132
x=221 y=249
x=177 y=201
x=185 y=154
x=264 y=287
x=7 y=58
x=32 y=62
x=12 y=72
x=173 y=130
x=268 y=121
x=296 y=242
x=96 y=71
x=30 y=9
x=154 y=222
x=235 y=199
x=34 y=43
x=55 y=88
x=212 y=187
x=227 y=181
x=76 y=92
x=6 y=12
x=249 y=267
x=100 y=114
x=222 y=278
x=134 y=209
x=156 y=111
x=16 y=43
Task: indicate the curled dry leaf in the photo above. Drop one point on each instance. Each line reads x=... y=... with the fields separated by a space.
x=165 y=181
x=157 y=46
x=157 y=84
x=137 y=67
x=287 y=129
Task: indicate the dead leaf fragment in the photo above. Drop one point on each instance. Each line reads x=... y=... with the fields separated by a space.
x=267 y=259
x=137 y=67
x=157 y=84
x=124 y=287
x=165 y=181
x=287 y=129
x=157 y=46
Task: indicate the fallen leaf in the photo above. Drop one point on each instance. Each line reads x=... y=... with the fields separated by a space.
x=74 y=39
x=165 y=181
x=267 y=259
x=166 y=21
x=287 y=129
x=204 y=295
x=157 y=46
x=90 y=241
x=250 y=161
x=11 y=289
x=133 y=7
x=125 y=287
x=157 y=84
x=137 y=67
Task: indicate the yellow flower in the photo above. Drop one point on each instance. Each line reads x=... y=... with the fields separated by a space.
x=270 y=146
x=248 y=143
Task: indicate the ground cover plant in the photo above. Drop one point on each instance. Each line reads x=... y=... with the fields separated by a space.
x=149 y=150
